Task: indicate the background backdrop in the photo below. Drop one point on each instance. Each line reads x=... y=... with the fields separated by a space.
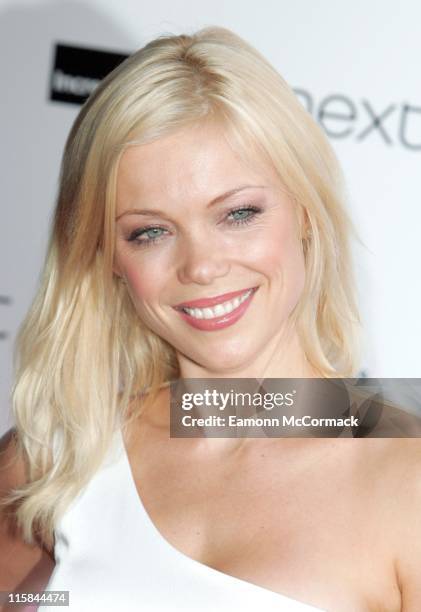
x=355 y=66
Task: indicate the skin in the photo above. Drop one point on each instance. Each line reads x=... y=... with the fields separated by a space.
x=303 y=517
x=23 y=567
x=201 y=253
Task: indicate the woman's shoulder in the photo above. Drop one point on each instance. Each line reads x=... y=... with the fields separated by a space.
x=13 y=471
x=12 y=466
x=20 y=563
x=384 y=478
x=403 y=500
x=392 y=465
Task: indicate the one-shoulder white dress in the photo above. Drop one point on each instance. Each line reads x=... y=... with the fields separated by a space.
x=111 y=557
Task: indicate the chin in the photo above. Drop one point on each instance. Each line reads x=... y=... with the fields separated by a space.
x=227 y=360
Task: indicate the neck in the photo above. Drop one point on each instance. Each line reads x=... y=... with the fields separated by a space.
x=281 y=357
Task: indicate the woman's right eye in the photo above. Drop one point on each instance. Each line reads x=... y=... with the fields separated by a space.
x=146 y=235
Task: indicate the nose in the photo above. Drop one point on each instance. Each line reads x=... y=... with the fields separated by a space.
x=201 y=260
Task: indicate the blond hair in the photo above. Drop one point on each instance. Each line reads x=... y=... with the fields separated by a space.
x=82 y=351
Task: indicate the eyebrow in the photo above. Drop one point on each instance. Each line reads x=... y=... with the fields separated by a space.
x=219 y=198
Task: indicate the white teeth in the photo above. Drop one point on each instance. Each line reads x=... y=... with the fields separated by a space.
x=236 y=301
x=219 y=309
x=229 y=307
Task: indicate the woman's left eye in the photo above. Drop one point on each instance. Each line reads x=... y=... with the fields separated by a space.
x=246 y=214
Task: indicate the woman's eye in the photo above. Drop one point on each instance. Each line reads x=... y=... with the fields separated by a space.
x=245 y=214
x=146 y=235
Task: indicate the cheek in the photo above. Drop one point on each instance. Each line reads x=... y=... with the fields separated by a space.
x=143 y=281
x=278 y=253
x=280 y=258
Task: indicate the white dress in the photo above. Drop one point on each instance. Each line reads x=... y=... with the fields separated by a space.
x=111 y=557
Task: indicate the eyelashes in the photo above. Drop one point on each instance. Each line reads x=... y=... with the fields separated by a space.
x=152 y=234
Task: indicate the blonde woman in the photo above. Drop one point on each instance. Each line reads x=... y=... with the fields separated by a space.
x=193 y=181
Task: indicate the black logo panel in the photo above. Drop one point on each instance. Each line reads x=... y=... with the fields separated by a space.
x=78 y=70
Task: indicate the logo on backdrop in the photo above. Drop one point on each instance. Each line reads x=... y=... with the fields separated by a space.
x=344 y=117
x=78 y=70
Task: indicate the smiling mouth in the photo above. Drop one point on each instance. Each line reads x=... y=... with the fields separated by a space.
x=224 y=308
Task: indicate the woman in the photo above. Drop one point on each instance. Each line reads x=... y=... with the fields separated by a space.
x=199 y=233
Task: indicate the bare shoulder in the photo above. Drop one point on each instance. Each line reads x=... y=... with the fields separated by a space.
x=401 y=462
x=393 y=468
x=409 y=552
x=12 y=469
x=20 y=563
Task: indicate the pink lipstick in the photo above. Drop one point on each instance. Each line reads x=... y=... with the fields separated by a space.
x=211 y=314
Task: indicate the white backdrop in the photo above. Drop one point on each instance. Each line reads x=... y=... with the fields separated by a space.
x=352 y=62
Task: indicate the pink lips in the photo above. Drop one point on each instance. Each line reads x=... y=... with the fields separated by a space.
x=205 y=302
x=216 y=323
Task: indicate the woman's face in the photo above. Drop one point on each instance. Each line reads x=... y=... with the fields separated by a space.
x=196 y=222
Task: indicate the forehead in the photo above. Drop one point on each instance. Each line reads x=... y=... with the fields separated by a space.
x=195 y=162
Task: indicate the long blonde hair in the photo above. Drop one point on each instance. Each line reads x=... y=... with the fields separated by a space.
x=82 y=351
